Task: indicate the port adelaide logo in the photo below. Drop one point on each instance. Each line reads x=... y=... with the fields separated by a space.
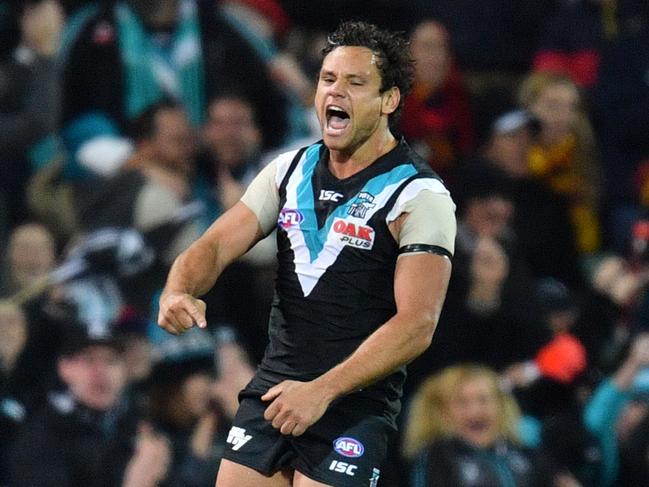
x=360 y=206
x=349 y=447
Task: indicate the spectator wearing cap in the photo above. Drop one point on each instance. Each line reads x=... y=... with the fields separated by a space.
x=66 y=442
x=541 y=220
x=564 y=155
x=437 y=118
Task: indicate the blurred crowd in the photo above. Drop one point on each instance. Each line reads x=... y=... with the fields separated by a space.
x=128 y=126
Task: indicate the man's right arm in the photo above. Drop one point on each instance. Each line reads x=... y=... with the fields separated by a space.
x=195 y=271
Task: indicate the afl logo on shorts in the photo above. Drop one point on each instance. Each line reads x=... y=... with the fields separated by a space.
x=349 y=447
x=289 y=217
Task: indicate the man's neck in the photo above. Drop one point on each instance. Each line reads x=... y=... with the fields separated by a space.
x=344 y=164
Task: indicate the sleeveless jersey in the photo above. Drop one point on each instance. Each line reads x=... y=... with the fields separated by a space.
x=337 y=258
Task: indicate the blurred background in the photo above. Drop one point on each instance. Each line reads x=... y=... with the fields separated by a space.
x=128 y=126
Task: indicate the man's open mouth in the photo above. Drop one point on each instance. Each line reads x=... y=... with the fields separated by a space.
x=337 y=117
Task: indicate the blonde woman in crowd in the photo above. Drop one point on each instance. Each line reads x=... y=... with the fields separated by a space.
x=564 y=155
x=461 y=431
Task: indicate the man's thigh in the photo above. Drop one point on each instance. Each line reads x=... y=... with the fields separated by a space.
x=345 y=448
x=235 y=475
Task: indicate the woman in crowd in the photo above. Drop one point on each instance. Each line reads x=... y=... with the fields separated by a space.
x=461 y=431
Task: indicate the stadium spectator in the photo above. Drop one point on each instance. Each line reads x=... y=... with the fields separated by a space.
x=563 y=154
x=462 y=430
x=14 y=391
x=541 y=220
x=65 y=443
x=131 y=54
x=29 y=100
x=617 y=406
x=436 y=117
x=489 y=281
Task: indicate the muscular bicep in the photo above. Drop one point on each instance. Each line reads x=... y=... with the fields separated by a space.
x=233 y=234
x=420 y=285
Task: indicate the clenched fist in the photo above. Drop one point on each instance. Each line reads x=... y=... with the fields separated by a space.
x=180 y=311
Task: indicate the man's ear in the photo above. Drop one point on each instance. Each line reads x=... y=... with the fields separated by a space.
x=390 y=101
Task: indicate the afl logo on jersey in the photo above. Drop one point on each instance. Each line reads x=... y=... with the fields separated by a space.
x=348 y=447
x=289 y=217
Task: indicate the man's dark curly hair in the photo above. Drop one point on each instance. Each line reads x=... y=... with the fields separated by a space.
x=391 y=49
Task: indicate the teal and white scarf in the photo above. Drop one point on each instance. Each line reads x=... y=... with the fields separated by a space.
x=153 y=71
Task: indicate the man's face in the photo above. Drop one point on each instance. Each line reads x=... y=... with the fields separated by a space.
x=348 y=100
x=231 y=133
x=174 y=141
x=95 y=375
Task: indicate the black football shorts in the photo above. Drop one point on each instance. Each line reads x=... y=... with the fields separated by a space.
x=344 y=448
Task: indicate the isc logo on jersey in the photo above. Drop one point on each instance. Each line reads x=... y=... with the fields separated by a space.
x=353 y=234
x=289 y=217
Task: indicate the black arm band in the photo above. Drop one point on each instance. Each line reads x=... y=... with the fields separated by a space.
x=429 y=249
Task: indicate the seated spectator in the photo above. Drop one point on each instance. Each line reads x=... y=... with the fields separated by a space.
x=634 y=437
x=436 y=117
x=148 y=194
x=65 y=443
x=29 y=100
x=563 y=154
x=133 y=53
x=461 y=431
x=231 y=159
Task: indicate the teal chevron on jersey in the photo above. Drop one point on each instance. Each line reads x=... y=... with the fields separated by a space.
x=315 y=240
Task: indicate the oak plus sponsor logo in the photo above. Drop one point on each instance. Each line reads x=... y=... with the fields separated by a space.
x=348 y=447
x=353 y=234
x=289 y=217
x=237 y=437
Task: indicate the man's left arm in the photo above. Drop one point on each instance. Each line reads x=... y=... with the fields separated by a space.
x=420 y=284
